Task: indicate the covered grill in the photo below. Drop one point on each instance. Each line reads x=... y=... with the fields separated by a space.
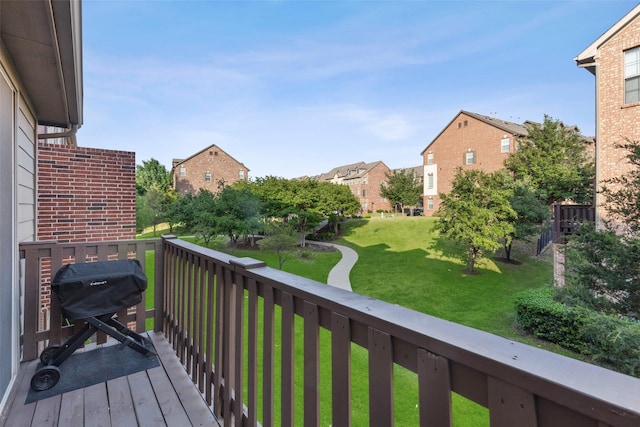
x=97 y=288
x=93 y=292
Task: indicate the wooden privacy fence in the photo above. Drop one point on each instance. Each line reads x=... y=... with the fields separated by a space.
x=221 y=314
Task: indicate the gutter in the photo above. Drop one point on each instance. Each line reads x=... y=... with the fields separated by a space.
x=69 y=133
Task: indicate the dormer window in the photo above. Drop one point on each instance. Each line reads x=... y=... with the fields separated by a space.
x=632 y=75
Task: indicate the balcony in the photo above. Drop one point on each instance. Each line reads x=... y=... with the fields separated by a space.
x=239 y=329
x=567 y=220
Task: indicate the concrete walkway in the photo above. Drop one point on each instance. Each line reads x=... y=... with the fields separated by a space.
x=339 y=274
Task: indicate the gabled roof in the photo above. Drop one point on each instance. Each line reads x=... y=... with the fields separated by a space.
x=178 y=162
x=586 y=58
x=361 y=169
x=417 y=170
x=44 y=41
x=510 y=127
x=340 y=171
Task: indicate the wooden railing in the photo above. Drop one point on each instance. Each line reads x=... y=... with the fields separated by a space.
x=222 y=314
x=241 y=329
x=43 y=321
x=567 y=220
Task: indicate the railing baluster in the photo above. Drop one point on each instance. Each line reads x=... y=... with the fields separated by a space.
x=311 y=364
x=228 y=360
x=219 y=342
x=287 y=345
x=187 y=327
x=380 y=378
x=252 y=354
x=434 y=384
x=202 y=324
x=55 y=311
x=268 y=361
x=238 y=356
x=510 y=406
x=210 y=328
x=341 y=370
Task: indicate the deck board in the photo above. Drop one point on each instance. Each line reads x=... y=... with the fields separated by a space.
x=160 y=396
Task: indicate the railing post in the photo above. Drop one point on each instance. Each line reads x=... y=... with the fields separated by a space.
x=158 y=295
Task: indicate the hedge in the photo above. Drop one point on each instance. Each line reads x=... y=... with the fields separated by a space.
x=612 y=341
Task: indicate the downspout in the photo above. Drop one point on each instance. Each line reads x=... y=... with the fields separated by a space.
x=70 y=133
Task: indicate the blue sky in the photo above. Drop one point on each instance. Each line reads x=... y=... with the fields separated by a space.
x=293 y=88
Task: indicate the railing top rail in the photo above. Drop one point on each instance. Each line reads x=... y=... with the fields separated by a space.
x=558 y=378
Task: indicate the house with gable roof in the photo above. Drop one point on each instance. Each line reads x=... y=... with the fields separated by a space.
x=364 y=180
x=614 y=60
x=469 y=141
x=208 y=169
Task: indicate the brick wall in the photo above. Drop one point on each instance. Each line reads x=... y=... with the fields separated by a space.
x=615 y=120
x=219 y=165
x=85 y=194
x=451 y=145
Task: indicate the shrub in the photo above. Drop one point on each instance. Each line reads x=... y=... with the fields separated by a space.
x=612 y=341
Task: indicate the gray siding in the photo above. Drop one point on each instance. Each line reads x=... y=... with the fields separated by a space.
x=26 y=176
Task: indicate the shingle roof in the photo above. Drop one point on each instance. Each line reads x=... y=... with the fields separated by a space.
x=176 y=162
x=513 y=128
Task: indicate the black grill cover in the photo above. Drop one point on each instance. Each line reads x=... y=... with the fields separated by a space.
x=97 y=288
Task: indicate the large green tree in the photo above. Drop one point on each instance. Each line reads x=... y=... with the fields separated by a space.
x=531 y=214
x=476 y=213
x=151 y=174
x=402 y=188
x=555 y=160
x=237 y=213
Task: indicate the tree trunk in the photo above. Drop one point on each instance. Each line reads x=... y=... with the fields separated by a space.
x=507 y=251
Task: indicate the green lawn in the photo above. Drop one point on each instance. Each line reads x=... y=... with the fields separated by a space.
x=400 y=263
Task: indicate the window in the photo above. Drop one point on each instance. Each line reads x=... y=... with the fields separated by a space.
x=240 y=174
x=364 y=180
x=632 y=75
x=430 y=204
x=430 y=181
x=430 y=158
x=183 y=171
x=505 y=145
x=207 y=176
x=364 y=193
x=470 y=157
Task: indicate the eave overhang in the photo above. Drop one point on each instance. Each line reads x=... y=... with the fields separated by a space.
x=44 y=40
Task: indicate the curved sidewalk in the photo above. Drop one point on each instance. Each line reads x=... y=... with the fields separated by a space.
x=339 y=274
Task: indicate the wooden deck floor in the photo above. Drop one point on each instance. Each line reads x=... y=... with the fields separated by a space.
x=160 y=396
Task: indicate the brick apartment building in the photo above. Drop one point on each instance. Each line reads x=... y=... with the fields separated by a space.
x=470 y=141
x=364 y=180
x=614 y=59
x=208 y=169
